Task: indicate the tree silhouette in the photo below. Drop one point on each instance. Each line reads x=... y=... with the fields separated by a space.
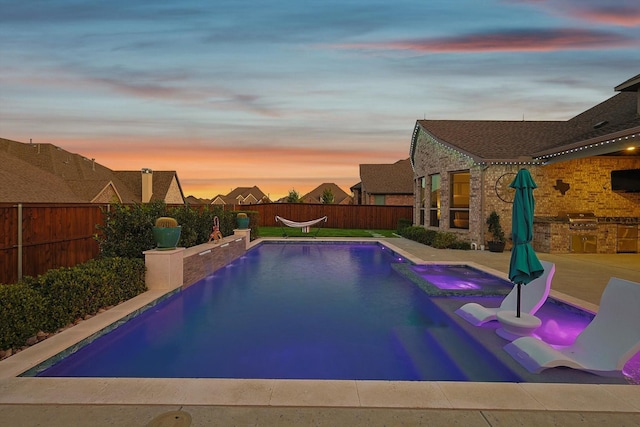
x=327 y=196
x=293 y=196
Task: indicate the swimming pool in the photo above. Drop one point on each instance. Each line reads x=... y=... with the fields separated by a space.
x=293 y=310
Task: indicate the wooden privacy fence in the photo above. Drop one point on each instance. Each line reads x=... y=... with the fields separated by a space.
x=37 y=237
x=371 y=217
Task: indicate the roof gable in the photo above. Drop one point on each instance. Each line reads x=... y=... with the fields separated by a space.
x=315 y=195
x=242 y=196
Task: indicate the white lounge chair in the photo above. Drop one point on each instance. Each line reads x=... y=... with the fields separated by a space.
x=532 y=296
x=603 y=347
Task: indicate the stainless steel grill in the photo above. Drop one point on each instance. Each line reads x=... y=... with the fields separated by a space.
x=582 y=220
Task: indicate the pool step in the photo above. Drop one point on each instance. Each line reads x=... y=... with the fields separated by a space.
x=430 y=349
x=460 y=349
x=426 y=355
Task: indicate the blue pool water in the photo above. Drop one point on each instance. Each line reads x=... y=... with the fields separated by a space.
x=293 y=310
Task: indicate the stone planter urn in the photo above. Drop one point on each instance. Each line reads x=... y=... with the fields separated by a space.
x=166 y=233
x=242 y=220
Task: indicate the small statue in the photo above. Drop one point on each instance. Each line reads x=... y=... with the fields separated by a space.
x=216 y=234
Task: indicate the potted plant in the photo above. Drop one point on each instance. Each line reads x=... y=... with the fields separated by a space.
x=497 y=242
x=242 y=220
x=166 y=233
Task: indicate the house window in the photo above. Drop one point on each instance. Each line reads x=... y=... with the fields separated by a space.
x=378 y=199
x=434 y=208
x=422 y=184
x=460 y=196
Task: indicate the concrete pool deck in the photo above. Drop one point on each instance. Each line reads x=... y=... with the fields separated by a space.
x=132 y=402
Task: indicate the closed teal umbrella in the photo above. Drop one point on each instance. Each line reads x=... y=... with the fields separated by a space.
x=524 y=265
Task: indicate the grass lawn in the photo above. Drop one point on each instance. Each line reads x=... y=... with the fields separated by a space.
x=324 y=232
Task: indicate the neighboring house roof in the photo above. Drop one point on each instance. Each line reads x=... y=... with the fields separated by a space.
x=192 y=200
x=163 y=181
x=396 y=178
x=18 y=184
x=340 y=197
x=242 y=196
x=539 y=141
x=67 y=177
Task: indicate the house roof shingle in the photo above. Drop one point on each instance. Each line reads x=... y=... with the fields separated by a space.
x=486 y=140
x=18 y=185
x=68 y=177
x=395 y=178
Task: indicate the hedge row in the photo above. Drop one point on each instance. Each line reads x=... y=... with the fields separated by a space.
x=57 y=298
x=437 y=239
x=128 y=229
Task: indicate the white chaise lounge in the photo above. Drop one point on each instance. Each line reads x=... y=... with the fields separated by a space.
x=605 y=345
x=533 y=295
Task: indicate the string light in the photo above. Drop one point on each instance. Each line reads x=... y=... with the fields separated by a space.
x=584 y=147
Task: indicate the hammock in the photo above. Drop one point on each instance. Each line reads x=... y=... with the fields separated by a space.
x=305 y=226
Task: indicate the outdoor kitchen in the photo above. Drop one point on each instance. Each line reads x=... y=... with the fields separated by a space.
x=583 y=232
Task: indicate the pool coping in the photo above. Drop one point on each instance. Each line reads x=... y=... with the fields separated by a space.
x=295 y=393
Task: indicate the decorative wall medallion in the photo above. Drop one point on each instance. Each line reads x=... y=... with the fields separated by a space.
x=504 y=192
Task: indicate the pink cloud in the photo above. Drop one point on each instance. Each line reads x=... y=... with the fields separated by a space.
x=509 y=41
x=625 y=13
x=622 y=16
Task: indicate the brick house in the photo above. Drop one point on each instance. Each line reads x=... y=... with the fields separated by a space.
x=45 y=173
x=385 y=184
x=462 y=169
x=340 y=197
x=242 y=196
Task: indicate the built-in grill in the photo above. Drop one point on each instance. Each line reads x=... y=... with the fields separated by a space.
x=581 y=242
x=582 y=221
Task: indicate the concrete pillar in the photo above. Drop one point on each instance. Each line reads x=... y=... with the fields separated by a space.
x=245 y=233
x=164 y=268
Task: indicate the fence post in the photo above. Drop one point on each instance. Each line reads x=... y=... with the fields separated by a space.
x=19 y=241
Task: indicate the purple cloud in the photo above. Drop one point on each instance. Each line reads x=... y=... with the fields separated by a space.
x=506 y=41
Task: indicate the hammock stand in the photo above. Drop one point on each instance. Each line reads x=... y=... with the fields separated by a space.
x=305 y=226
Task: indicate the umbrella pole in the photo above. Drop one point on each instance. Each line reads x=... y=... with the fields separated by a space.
x=518 y=303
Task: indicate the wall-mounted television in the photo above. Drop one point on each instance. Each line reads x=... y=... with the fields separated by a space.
x=626 y=180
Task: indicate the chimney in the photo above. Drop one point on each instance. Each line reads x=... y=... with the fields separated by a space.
x=147 y=185
x=631 y=85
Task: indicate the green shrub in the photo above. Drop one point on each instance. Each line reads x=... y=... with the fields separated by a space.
x=458 y=244
x=127 y=230
x=437 y=239
x=403 y=223
x=62 y=290
x=419 y=234
x=444 y=240
x=22 y=310
x=58 y=297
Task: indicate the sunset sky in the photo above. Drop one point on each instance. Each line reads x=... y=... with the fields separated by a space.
x=289 y=94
